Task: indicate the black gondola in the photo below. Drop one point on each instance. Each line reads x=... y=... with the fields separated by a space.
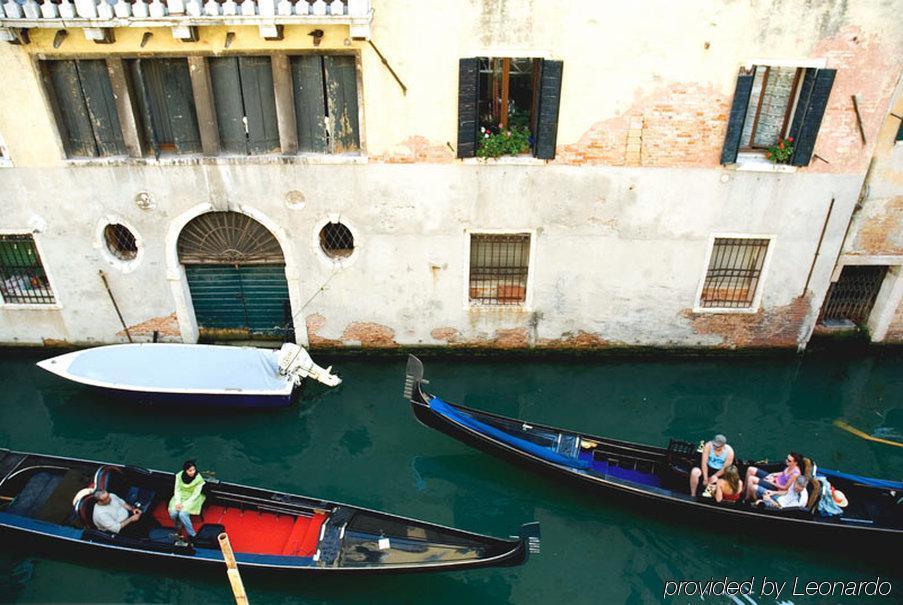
x=269 y=530
x=656 y=478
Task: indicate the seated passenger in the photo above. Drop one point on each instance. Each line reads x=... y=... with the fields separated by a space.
x=757 y=480
x=187 y=498
x=113 y=514
x=729 y=488
x=716 y=455
x=794 y=496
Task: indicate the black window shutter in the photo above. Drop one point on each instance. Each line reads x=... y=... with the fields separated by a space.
x=72 y=114
x=736 y=118
x=341 y=102
x=549 y=100
x=260 y=104
x=813 y=112
x=310 y=102
x=95 y=81
x=468 y=98
x=227 y=100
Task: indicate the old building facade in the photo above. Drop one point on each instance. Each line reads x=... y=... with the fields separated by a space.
x=312 y=170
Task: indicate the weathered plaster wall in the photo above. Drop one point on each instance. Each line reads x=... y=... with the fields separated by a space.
x=622 y=219
x=619 y=253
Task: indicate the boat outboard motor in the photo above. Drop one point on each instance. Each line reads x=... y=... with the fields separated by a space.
x=295 y=362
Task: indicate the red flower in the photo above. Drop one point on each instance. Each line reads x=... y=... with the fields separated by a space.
x=789 y=139
x=768 y=155
x=781 y=145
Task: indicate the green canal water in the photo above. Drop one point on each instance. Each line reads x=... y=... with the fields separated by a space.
x=360 y=444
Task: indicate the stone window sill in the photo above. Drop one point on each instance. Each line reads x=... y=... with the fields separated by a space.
x=757 y=162
x=196 y=160
x=30 y=306
x=509 y=160
x=725 y=310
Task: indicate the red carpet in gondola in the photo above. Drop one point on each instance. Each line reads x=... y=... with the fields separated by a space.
x=256 y=532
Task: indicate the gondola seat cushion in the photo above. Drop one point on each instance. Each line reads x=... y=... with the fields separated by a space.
x=84 y=509
x=163 y=535
x=208 y=535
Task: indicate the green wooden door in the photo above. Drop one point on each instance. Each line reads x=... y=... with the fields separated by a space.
x=240 y=300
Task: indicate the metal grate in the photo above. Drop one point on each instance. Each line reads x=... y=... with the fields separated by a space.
x=336 y=240
x=854 y=294
x=734 y=272
x=226 y=238
x=498 y=268
x=120 y=241
x=22 y=276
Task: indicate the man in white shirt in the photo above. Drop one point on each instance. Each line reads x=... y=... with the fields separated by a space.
x=794 y=497
x=113 y=514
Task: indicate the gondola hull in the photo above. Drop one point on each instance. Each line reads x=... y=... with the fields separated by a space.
x=671 y=501
x=270 y=531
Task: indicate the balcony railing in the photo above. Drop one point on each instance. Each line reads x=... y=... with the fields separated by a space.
x=17 y=16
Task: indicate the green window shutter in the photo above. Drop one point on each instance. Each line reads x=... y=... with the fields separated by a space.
x=812 y=108
x=227 y=99
x=310 y=102
x=170 y=105
x=468 y=100
x=737 y=118
x=259 y=103
x=95 y=83
x=72 y=114
x=546 y=135
x=341 y=102
x=142 y=95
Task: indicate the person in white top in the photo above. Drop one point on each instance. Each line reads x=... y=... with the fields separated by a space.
x=795 y=496
x=113 y=514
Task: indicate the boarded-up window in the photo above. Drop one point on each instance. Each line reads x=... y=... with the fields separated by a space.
x=22 y=276
x=326 y=103
x=166 y=102
x=85 y=109
x=734 y=272
x=245 y=104
x=498 y=268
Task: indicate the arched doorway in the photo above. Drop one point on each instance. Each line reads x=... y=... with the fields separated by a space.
x=235 y=270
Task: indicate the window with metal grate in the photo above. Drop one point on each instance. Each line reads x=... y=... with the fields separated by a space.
x=120 y=241
x=22 y=276
x=336 y=240
x=499 y=266
x=734 y=272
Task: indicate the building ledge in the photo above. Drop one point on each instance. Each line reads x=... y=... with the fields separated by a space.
x=505 y=160
x=315 y=159
x=17 y=15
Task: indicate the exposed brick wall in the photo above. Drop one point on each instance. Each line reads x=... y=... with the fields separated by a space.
x=315 y=323
x=167 y=326
x=370 y=335
x=778 y=327
x=416 y=149
x=895 y=330
x=882 y=232
x=678 y=124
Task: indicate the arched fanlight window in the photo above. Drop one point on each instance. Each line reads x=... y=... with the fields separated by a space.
x=228 y=238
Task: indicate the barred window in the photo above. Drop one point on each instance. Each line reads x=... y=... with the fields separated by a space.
x=120 y=241
x=336 y=240
x=22 y=276
x=498 y=268
x=735 y=269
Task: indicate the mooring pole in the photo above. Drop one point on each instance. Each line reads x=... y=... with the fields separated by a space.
x=115 y=306
x=238 y=589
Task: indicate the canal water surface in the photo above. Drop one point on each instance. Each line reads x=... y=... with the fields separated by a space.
x=360 y=444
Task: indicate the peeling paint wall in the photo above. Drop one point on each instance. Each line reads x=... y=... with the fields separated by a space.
x=622 y=218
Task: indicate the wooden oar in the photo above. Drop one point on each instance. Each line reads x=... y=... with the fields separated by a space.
x=238 y=588
x=851 y=429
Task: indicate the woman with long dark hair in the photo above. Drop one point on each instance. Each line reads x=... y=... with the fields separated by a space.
x=187 y=498
x=758 y=481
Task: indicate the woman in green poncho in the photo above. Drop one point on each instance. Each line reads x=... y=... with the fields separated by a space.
x=187 y=498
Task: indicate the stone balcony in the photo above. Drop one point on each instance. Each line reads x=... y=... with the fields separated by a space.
x=97 y=18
